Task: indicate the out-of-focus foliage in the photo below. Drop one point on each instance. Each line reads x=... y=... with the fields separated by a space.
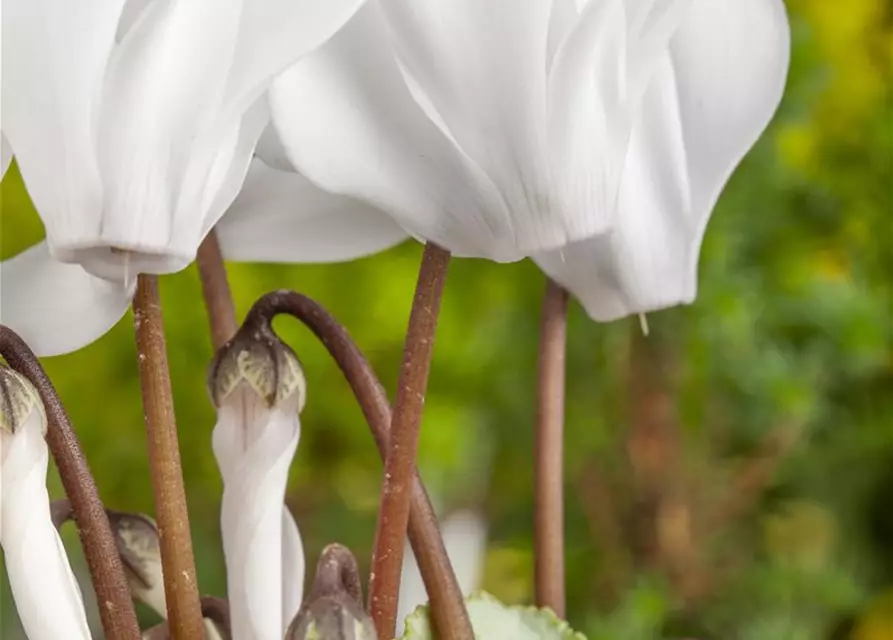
x=730 y=477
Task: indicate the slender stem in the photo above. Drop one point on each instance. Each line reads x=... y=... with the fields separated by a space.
x=115 y=606
x=215 y=288
x=548 y=471
x=412 y=383
x=446 y=602
x=180 y=586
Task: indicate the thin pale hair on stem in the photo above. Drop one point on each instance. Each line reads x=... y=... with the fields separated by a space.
x=171 y=514
x=548 y=469
x=115 y=605
x=449 y=617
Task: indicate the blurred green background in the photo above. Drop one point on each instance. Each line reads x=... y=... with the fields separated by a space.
x=729 y=477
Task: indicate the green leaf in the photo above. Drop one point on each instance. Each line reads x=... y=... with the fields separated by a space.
x=493 y=620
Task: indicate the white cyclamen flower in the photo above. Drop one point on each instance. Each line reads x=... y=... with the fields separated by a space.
x=46 y=594
x=258 y=388
x=594 y=136
x=493 y=128
x=133 y=123
x=465 y=539
x=713 y=92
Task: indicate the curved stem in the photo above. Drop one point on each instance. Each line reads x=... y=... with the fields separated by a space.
x=447 y=605
x=115 y=606
x=216 y=291
x=548 y=507
x=180 y=585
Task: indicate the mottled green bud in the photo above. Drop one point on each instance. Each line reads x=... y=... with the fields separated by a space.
x=18 y=400
x=263 y=362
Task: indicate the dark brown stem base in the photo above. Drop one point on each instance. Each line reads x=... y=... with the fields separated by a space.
x=446 y=602
x=180 y=585
x=548 y=509
x=115 y=605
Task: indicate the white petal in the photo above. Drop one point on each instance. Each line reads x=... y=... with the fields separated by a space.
x=270 y=150
x=465 y=539
x=254 y=447
x=363 y=135
x=43 y=586
x=481 y=66
x=164 y=85
x=54 y=58
x=588 y=120
x=57 y=307
x=273 y=34
x=562 y=20
x=5 y=155
x=731 y=61
x=280 y=216
x=293 y=567
x=228 y=171
x=711 y=97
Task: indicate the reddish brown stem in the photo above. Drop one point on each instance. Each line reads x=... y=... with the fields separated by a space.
x=180 y=586
x=216 y=291
x=412 y=383
x=446 y=603
x=115 y=606
x=548 y=470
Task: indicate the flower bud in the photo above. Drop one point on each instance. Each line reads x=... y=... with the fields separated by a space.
x=258 y=387
x=334 y=610
x=139 y=546
x=18 y=401
x=261 y=361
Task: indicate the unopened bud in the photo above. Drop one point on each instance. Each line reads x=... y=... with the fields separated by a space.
x=262 y=361
x=334 y=610
x=139 y=546
x=18 y=401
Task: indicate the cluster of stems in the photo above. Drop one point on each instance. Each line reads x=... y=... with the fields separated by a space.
x=405 y=509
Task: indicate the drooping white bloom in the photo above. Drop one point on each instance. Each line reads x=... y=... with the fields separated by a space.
x=410 y=114
x=493 y=128
x=133 y=123
x=46 y=594
x=258 y=388
x=714 y=91
x=281 y=216
x=465 y=539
